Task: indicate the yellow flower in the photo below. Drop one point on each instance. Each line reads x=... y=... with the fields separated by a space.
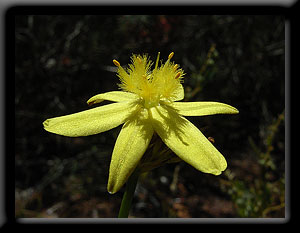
x=147 y=104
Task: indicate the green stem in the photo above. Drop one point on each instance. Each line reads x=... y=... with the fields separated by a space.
x=128 y=195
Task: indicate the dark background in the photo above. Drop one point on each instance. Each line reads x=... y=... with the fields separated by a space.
x=63 y=60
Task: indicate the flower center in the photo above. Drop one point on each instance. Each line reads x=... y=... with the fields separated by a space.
x=161 y=83
x=149 y=103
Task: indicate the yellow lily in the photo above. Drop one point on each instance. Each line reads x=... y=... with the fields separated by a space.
x=147 y=104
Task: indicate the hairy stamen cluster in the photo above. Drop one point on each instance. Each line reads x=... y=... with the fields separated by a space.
x=160 y=84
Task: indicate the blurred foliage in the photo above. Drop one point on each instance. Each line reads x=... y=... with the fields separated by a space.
x=265 y=195
x=61 y=61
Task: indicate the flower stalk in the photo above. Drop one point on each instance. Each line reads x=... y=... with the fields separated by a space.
x=128 y=195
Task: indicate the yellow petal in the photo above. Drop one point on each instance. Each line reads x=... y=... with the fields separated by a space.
x=91 y=121
x=130 y=146
x=202 y=108
x=178 y=93
x=186 y=140
x=115 y=96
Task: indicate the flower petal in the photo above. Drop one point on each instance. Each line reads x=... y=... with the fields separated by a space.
x=178 y=94
x=186 y=140
x=130 y=146
x=203 y=108
x=115 y=96
x=91 y=121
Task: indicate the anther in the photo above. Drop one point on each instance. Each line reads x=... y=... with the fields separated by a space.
x=177 y=75
x=211 y=139
x=175 y=67
x=171 y=55
x=116 y=63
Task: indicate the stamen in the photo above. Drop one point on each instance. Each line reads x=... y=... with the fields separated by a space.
x=116 y=63
x=139 y=60
x=175 y=67
x=157 y=60
x=171 y=55
x=177 y=75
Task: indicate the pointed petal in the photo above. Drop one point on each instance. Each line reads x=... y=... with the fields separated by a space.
x=202 y=108
x=130 y=146
x=115 y=96
x=186 y=140
x=91 y=121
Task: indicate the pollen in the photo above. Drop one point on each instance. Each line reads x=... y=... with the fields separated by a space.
x=116 y=63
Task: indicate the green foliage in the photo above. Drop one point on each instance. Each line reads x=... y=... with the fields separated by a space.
x=265 y=194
